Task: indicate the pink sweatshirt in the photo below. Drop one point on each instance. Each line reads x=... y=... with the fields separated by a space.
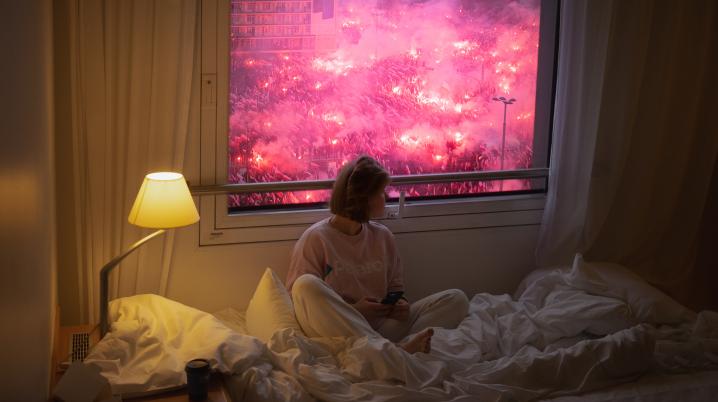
x=363 y=265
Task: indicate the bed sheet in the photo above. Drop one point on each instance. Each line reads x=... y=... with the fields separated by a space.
x=559 y=337
x=699 y=386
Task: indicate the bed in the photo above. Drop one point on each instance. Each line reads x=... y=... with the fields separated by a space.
x=588 y=332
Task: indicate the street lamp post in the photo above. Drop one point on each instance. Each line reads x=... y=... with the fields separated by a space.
x=506 y=103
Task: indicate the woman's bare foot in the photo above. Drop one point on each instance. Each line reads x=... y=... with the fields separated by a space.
x=421 y=342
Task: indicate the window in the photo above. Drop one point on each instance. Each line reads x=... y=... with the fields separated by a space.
x=298 y=88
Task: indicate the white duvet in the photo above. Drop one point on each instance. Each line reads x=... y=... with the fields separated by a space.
x=566 y=332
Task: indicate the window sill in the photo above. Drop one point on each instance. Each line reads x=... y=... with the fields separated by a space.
x=218 y=227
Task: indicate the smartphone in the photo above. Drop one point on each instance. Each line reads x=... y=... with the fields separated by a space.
x=392 y=297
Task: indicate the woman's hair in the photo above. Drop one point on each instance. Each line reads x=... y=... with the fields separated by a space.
x=357 y=181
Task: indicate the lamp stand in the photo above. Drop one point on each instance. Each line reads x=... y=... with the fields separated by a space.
x=105 y=276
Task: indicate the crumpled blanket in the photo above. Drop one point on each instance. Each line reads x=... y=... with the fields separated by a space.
x=558 y=337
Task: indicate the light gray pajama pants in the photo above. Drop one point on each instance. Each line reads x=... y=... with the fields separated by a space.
x=321 y=312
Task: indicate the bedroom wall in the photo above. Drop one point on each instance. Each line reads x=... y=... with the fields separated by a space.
x=27 y=297
x=479 y=260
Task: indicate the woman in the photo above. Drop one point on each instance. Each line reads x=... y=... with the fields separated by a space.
x=344 y=265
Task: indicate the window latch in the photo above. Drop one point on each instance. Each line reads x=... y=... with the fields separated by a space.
x=398 y=213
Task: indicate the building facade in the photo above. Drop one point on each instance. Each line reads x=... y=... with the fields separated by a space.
x=283 y=26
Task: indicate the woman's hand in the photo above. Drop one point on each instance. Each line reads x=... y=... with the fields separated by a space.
x=372 y=309
x=400 y=310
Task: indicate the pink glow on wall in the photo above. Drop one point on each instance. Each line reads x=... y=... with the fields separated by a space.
x=315 y=83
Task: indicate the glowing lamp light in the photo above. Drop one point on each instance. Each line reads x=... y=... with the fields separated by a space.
x=163 y=202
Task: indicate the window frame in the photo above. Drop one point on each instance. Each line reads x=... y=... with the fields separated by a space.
x=218 y=226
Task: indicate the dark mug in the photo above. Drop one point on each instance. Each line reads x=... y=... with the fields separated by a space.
x=197 y=379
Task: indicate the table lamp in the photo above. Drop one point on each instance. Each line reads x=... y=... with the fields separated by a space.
x=163 y=202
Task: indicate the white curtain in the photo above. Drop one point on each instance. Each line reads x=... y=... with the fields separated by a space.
x=583 y=39
x=132 y=67
x=635 y=137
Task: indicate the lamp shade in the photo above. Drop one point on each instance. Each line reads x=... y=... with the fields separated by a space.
x=163 y=202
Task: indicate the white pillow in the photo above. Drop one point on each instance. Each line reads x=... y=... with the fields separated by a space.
x=647 y=303
x=270 y=309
